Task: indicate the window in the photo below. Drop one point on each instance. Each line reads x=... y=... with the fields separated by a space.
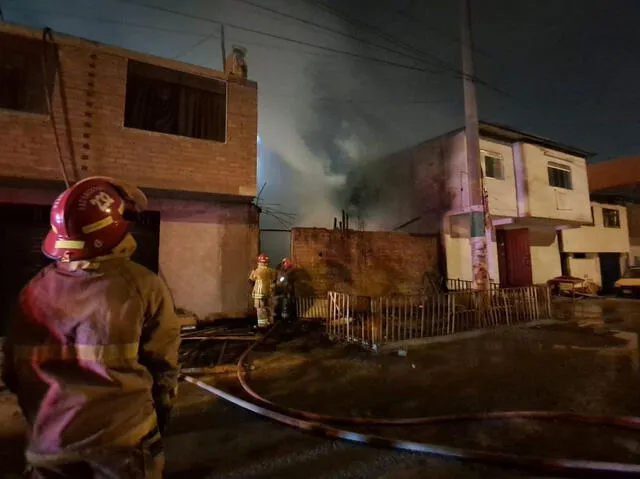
x=580 y=255
x=559 y=175
x=610 y=218
x=22 y=86
x=493 y=167
x=176 y=103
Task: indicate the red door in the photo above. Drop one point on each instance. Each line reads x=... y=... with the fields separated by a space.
x=514 y=257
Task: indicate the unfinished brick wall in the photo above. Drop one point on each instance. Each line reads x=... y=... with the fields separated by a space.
x=367 y=263
x=94 y=141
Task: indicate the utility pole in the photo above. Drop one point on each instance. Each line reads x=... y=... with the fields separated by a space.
x=476 y=198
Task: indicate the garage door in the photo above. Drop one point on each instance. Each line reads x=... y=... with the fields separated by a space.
x=22 y=228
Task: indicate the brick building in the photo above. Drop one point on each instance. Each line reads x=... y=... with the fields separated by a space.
x=185 y=134
x=368 y=263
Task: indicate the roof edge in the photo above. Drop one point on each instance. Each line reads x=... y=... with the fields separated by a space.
x=66 y=39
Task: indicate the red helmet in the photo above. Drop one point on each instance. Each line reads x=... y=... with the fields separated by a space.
x=263 y=258
x=286 y=263
x=89 y=219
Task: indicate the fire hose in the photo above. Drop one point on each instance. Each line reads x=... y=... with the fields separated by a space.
x=321 y=425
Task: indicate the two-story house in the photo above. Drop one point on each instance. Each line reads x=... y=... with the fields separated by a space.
x=185 y=134
x=535 y=187
x=599 y=252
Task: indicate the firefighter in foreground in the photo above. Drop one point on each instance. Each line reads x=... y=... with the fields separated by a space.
x=92 y=353
x=262 y=279
x=285 y=307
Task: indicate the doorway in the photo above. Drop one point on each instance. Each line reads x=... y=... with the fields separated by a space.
x=610 y=271
x=514 y=257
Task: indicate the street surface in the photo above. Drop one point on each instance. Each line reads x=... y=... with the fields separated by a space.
x=588 y=364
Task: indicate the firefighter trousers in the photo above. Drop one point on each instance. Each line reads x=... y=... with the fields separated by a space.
x=143 y=462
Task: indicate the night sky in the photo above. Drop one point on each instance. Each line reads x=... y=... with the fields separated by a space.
x=563 y=69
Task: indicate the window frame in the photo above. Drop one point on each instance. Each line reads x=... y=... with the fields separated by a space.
x=607 y=214
x=30 y=52
x=486 y=155
x=566 y=169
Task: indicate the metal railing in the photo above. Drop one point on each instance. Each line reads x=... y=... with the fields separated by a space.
x=376 y=321
x=312 y=307
x=465 y=285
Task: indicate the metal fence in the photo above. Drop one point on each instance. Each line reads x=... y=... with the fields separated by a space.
x=383 y=320
x=312 y=307
x=464 y=285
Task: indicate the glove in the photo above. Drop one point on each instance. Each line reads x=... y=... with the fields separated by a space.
x=163 y=414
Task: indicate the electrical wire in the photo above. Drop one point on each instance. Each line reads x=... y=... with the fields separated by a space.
x=332 y=30
x=47 y=38
x=437 y=31
x=437 y=61
x=280 y=37
x=108 y=20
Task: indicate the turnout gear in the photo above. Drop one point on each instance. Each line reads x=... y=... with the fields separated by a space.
x=92 y=353
x=284 y=293
x=262 y=279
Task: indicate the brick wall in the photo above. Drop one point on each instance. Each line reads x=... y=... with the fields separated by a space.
x=94 y=141
x=367 y=263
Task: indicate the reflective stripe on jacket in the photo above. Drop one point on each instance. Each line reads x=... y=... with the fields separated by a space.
x=88 y=355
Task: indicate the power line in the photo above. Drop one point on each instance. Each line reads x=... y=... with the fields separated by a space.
x=360 y=100
x=107 y=20
x=331 y=30
x=196 y=45
x=458 y=73
x=435 y=30
x=279 y=37
x=385 y=36
x=202 y=37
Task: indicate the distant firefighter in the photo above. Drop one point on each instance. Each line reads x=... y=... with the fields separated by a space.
x=262 y=279
x=284 y=290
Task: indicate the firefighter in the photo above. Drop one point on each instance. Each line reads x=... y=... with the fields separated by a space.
x=262 y=279
x=92 y=352
x=284 y=290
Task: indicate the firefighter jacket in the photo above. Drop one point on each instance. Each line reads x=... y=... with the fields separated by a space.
x=263 y=278
x=91 y=353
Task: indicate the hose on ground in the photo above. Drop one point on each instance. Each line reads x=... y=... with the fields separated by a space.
x=319 y=425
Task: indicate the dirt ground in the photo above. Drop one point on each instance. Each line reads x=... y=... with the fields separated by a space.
x=588 y=363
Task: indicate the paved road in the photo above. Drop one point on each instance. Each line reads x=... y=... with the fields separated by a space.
x=580 y=365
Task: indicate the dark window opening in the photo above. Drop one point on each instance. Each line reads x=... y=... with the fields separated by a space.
x=580 y=255
x=176 y=103
x=610 y=218
x=559 y=176
x=494 y=167
x=22 y=85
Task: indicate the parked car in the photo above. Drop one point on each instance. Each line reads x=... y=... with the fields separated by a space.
x=629 y=284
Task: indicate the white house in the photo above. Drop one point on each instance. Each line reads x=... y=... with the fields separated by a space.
x=599 y=252
x=535 y=188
